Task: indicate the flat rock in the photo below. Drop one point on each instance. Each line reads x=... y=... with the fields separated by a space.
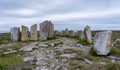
x=26 y=59
x=41 y=62
x=88 y=61
x=28 y=48
x=13 y=51
x=70 y=55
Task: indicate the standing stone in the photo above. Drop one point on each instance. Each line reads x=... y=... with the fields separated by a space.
x=50 y=29
x=70 y=32
x=15 y=33
x=33 y=32
x=102 y=42
x=66 y=32
x=46 y=30
x=88 y=34
x=74 y=33
x=24 y=33
x=58 y=33
x=78 y=33
x=82 y=35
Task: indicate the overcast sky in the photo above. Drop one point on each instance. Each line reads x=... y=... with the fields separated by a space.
x=71 y=14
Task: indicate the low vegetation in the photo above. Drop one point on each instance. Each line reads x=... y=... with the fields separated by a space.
x=72 y=50
x=115 y=51
x=83 y=42
x=10 y=60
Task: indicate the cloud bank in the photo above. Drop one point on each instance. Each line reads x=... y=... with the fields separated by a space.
x=72 y=14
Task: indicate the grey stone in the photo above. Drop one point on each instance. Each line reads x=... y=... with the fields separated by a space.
x=26 y=59
x=88 y=61
x=101 y=62
x=113 y=58
x=50 y=29
x=42 y=45
x=71 y=32
x=82 y=35
x=70 y=55
x=78 y=45
x=46 y=30
x=41 y=62
x=59 y=67
x=88 y=34
x=33 y=32
x=58 y=32
x=102 y=42
x=28 y=48
x=66 y=32
x=24 y=33
x=13 y=51
x=15 y=33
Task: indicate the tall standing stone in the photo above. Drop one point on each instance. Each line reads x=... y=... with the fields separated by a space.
x=82 y=35
x=33 y=32
x=50 y=29
x=24 y=33
x=102 y=42
x=46 y=30
x=88 y=34
x=15 y=33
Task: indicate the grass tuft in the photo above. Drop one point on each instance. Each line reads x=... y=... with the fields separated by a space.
x=83 y=42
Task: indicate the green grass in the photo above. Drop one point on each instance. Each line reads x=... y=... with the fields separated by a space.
x=52 y=38
x=111 y=67
x=72 y=50
x=10 y=60
x=115 y=51
x=83 y=42
x=92 y=52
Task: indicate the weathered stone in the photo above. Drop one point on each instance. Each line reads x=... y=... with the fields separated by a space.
x=66 y=32
x=27 y=59
x=28 y=48
x=50 y=29
x=58 y=32
x=78 y=33
x=88 y=34
x=46 y=30
x=33 y=32
x=88 y=61
x=102 y=42
x=15 y=34
x=24 y=33
x=82 y=35
x=70 y=32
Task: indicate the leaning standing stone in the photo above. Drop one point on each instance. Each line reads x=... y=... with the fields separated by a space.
x=24 y=33
x=88 y=34
x=15 y=33
x=33 y=32
x=102 y=42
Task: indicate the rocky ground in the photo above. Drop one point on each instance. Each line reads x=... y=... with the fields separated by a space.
x=62 y=53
